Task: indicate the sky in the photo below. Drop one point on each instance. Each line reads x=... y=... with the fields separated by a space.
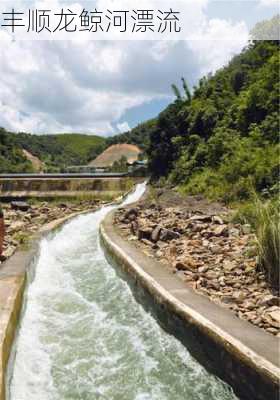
x=108 y=87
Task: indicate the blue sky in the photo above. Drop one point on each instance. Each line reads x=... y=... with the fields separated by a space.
x=111 y=86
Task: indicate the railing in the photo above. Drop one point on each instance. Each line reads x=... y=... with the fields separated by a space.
x=65 y=175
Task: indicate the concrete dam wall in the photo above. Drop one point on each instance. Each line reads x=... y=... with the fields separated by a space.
x=65 y=187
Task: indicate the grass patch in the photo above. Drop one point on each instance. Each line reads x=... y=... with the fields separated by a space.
x=263 y=216
x=268 y=240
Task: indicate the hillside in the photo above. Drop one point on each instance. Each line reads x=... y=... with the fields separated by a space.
x=116 y=153
x=11 y=156
x=61 y=150
x=223 y=141
x=85 y=146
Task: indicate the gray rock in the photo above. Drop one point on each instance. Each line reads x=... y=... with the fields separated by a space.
x=203 y=218
x=156 y=234
x=246 y=229
x=269 y=300
x=20 y=205
x=131 y=214
x=217 y=220
x=144 y=233
x=134 y=227
x=167 y=234
x=221 y=230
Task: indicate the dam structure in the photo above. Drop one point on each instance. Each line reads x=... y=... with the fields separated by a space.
x=69 y=185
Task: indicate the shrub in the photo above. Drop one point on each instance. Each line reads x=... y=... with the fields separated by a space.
x=268 y=239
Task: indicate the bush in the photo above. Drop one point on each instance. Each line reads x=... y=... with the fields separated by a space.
x=268 y=239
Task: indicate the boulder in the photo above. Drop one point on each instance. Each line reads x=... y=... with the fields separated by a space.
x=202 y=218
x=238 y=296
x=221 y=230
x=8 y=252
x=134 y=228
x=269 y=300
x=20 y=205
x=213 y=284
x=131 y=214
x=234 y=232
x=188 y=264
x=167 y=234
x=147 y=242
x=144 y=233
x=246 y=229
x=272 y=317
x=217 y=220
x=275 y=318
x=156 y=234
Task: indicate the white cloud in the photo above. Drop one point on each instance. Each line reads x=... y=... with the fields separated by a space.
x=68 y=86
x=269 y=3
x=123 y=127
x=218 y=46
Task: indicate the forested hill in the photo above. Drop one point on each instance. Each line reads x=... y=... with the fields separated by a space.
x=56 y=151
x=223 y=140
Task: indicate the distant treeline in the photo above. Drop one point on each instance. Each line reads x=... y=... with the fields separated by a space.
x=56 y=151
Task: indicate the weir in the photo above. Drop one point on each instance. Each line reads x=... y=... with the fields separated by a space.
x=49 y=186
x=84 y=336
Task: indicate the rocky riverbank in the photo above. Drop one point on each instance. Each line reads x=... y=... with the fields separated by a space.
x=212 y=255
x=22 y=220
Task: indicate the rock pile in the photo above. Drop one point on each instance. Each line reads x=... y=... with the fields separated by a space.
x=214 y=257
x=22 y=220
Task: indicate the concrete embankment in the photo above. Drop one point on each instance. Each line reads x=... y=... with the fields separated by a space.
x=64 y=187
x=241 y=354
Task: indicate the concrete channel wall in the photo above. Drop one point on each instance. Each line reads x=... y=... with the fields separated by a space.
x=236 y=351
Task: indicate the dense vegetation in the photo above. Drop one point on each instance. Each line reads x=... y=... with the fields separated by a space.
x=11 y=157
x=56 y=151
x=223 y=140
x=63 y=150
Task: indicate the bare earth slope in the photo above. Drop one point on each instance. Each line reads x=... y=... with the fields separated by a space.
x=115 y=153
x=37 y=164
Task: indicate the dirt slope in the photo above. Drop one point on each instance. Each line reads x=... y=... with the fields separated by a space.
x=115 y=153
x=37 y=164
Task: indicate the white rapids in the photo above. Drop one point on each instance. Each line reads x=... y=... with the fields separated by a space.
x=83 y=336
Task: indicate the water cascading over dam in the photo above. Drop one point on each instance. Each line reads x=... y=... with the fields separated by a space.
x=83 y=336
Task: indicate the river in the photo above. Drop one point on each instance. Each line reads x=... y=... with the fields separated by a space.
x=83 y=336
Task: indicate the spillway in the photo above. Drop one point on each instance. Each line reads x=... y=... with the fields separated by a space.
x=83 y=336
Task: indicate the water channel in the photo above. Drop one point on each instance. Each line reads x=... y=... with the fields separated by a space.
x=83 y=336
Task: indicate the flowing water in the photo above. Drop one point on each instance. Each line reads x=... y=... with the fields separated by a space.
x=84 y=337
